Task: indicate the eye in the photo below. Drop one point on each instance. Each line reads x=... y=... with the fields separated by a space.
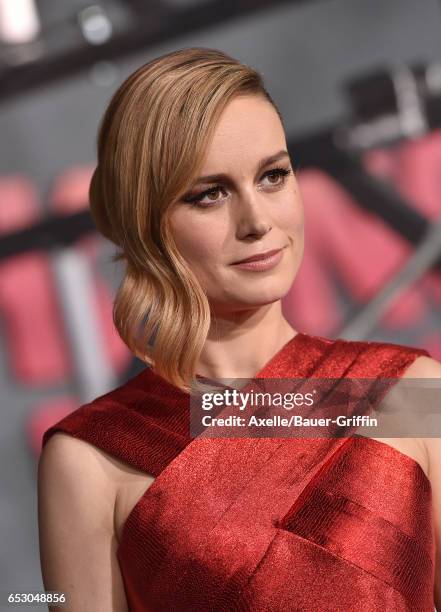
x=277 y=178
x=196 y=200
x=279 y=174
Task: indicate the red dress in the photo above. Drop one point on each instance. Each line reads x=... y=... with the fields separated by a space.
x=267 y=524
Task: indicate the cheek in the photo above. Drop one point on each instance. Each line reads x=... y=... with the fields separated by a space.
x=291 y=217
x=196 y=240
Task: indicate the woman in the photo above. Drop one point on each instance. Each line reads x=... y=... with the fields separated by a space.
x=193 y=177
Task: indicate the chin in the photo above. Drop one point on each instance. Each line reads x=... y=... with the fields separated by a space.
x=255 y=289
x=263 y=292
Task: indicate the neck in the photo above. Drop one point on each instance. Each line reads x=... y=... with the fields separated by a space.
x=241 y=343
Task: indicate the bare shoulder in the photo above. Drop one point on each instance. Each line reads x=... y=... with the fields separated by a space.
x=76 y=500
x=423 y=367
x=77 y=468
x=427 y=367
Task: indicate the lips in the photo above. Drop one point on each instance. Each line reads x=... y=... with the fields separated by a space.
x=258 y=257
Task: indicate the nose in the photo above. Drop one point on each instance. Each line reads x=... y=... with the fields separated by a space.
x=253 y=218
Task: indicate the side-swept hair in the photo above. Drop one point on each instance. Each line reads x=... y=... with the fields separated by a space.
x=151 y=144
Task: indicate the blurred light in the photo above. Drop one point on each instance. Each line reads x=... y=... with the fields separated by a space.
x=103 y=74
x=95 y=25
x=19 y=21
x=409 y=104
x=433 y=77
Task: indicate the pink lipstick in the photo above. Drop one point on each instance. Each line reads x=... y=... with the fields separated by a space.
x=261 y=261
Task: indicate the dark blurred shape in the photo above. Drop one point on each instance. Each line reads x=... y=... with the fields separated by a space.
x=106 y=30
x=389 y=105
x=51 y=232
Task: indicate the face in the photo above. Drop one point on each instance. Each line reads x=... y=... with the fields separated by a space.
x=251 y=206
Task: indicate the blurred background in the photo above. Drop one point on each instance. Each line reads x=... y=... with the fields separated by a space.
x=359 y=85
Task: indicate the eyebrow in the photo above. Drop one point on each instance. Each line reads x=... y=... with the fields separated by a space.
x=266 y=161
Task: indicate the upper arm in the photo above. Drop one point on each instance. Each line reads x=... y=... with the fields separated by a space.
x=434 y=451
x=76 y=528
x=426 y=367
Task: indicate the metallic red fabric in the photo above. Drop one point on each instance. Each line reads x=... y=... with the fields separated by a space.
x=263 y=524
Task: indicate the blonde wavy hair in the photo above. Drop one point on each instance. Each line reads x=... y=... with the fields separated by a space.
x=151 y=144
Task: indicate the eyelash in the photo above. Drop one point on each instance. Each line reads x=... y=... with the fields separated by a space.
x=195 y=200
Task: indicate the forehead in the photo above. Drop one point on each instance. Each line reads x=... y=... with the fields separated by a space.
x=248 y=129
